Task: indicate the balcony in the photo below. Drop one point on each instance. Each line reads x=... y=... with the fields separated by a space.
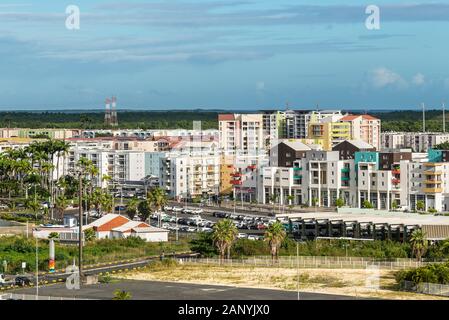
x=433 y=190
x=431 y=164
x=433 y=173
x=433 y=182
x=345 y=170
x=345 y=178
x=297 y=176
x=395 y=181
x=297 y=169
x=236 y=182
x=396 y=171
x=252 y=167
x=236 y=174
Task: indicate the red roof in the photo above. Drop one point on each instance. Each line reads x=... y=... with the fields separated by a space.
x=226 y=117
x=351 y=117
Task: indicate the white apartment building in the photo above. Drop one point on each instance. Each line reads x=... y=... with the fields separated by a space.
x=320 y=178
x=246 y=177
x=190 y=174
x=241 y=132
x=417 y=141
x=380 y=187
x=120 y=165
x=427 y=182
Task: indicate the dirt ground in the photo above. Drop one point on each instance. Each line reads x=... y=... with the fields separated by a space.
x=350 y=282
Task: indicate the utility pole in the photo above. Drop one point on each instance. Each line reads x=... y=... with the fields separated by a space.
x=80 y=226
x=423 y=118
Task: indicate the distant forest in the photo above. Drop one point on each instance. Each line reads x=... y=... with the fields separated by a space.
x=182 y=119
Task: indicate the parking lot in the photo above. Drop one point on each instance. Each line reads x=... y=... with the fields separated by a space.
x=190 y=219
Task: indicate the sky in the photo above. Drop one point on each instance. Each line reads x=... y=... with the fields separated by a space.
x=223 y=54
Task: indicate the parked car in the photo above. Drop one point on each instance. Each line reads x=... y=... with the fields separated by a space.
x=242 y=236
x=3 y=207
x=22 y=281
x=197 y=211
x=191 y=229
x=178 y=209
x=261 y=226
x=2 y=279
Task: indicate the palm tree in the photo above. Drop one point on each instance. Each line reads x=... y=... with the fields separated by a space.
x=106 y=202
x=224 y=234
x=61 y=204
x=157 y=197
x=419 y=243
x=131 y=207
x=275 y=235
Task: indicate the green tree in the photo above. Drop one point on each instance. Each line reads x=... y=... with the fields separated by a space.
x=367 y=205
x=89 y=235
x=53 y=235
x=131 y=207
x=274 y=235
x=144 y=210
x=394 y=205
x=224 y=234
x=339 y=202
x=420 y=206
x=419 y=243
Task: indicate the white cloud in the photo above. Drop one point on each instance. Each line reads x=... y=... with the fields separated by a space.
x=419 y=79
x=260 y=86
x=383 y=77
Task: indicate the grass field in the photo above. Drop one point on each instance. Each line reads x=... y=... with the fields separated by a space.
x=348 y=282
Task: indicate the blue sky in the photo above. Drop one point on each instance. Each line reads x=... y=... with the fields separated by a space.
x=223 y=54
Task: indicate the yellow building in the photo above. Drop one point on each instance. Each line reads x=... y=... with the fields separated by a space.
x=328 y=133
x=226 y=171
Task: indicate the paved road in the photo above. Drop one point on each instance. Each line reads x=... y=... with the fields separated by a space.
x=154 y=290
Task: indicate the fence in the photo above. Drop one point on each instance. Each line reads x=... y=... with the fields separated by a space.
x=18 y=296
x=314 y=262
x=425 y=288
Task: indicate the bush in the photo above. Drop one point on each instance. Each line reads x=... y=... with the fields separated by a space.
x=432 y=273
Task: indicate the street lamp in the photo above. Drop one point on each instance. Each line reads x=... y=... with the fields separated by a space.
x=80 y=226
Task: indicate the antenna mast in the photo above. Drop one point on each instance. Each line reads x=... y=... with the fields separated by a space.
x=444 y=118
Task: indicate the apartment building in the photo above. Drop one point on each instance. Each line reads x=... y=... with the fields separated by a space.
x=426 y=181
x=417 y=141
x=286 y=152
x=364 y=127
x=273 y=127
x=297 y=121
x=27 y=133
x=190 y=175
x=319 y=178
x=328 y=131
x=241 y=132
x=120 y=165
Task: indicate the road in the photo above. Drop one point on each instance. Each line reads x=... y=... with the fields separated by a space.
x=155 y=290
x=50 y=277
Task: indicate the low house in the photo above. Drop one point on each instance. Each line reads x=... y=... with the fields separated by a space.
x=114 y=226
x=151 y=234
